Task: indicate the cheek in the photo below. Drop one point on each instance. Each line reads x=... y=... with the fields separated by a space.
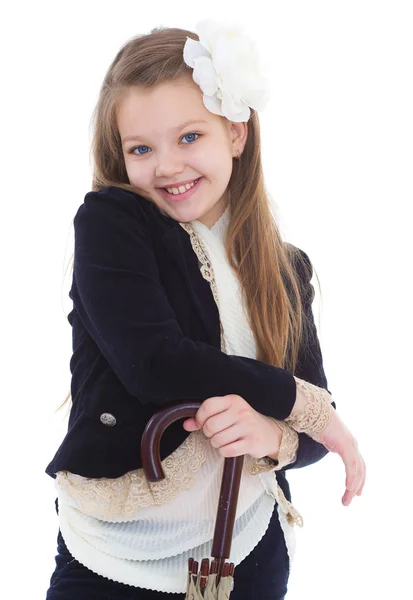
x=214 y=153
x=223 y=165
x=217 y=164
x=137 y=175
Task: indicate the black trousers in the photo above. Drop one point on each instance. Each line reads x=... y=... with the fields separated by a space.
x=262 y=575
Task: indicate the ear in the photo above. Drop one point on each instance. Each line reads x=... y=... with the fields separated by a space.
x=238 y=136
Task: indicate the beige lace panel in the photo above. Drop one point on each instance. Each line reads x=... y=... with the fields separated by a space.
x=317 y=412
x=206 y=269
x=287 y=453
x=292 y=515
x=108 y=499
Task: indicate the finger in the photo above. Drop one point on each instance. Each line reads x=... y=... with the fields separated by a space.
x=349 y=458
x=219 y=422
x=347 y=498
x=350 y=493
x=227 y=436
x=361 y=475
x=191 y=425
x=212 y=406
x=361 y=471
x=359 y=492
x=234 y=449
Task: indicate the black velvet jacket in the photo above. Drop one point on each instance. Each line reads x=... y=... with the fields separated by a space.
x=146 y=332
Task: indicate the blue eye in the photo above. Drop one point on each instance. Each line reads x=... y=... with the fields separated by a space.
x=132 y=151
x=192 y=133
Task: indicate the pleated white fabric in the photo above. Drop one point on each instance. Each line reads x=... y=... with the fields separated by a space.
x=151 y=548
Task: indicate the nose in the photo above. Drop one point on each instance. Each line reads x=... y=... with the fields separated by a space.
x=168 y=165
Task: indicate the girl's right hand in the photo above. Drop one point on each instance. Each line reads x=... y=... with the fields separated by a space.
x=336 y=437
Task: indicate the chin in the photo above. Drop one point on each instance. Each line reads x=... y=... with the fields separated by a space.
x=183 y=214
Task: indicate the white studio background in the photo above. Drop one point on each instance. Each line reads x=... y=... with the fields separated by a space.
x=337 y=146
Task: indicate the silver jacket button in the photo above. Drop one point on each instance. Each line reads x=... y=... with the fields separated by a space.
x=108 y=419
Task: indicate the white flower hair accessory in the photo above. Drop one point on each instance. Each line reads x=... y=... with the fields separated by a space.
x=225 y=66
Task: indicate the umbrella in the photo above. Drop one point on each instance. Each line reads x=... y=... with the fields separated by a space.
x=213 y=581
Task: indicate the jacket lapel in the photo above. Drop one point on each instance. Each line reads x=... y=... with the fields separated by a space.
x=178 y=245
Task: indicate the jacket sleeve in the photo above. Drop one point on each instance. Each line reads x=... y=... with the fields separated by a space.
x=124 y=307
x=310 y=368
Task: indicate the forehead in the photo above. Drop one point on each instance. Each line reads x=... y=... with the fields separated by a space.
x=160 y=109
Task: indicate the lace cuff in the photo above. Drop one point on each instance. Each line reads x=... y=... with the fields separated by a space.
x=286 y=455
x=317 y=412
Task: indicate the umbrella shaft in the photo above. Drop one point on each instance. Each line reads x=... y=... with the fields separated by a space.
x=227 y=507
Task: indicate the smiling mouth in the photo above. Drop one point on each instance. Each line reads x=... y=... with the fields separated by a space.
x=182 y=189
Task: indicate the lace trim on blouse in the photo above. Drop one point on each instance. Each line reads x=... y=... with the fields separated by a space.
x=317 y=411
x=111 y=498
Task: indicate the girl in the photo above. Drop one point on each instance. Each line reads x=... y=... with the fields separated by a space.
x=184 y=290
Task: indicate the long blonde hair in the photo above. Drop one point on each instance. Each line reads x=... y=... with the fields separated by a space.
x=265 y=268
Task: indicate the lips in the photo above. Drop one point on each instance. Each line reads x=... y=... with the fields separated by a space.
x=174 y=198
x=178 y=185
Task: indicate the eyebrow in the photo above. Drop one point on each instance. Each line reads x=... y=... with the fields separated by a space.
x=131 y=138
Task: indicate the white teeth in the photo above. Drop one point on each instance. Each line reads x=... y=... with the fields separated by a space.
x=182 y=188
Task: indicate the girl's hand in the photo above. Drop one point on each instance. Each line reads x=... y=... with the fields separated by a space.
x=337 y=438
x=235 y=428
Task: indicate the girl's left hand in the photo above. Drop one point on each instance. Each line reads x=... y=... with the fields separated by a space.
x=235 y=428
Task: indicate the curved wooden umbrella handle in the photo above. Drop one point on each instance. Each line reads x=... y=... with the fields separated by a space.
x=231 y=478
x=154 y=430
